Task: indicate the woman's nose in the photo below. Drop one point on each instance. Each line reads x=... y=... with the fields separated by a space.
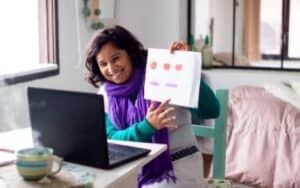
x=110 y=68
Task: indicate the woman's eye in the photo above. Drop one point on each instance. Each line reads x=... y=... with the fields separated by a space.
x=102 y=64
x=114 y=59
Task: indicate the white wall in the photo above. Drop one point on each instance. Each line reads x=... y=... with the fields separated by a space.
x=156 y=23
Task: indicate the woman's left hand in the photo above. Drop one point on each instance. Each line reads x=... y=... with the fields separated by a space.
x=178 y=45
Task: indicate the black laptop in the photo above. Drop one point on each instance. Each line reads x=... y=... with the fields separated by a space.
x=73 y=124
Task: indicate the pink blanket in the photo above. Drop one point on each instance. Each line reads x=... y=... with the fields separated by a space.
x=263 y=139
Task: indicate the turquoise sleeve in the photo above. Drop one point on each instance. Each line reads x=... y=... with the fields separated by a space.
x=208 y=105
x=141 y=131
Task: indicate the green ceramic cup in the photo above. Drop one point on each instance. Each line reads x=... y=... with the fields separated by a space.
x=36 y=163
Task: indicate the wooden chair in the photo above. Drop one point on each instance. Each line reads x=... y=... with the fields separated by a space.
x=218 y=133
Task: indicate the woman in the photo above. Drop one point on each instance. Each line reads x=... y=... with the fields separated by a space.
x=116 y=60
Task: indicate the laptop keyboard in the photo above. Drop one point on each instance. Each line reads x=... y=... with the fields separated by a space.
x=115 y=155
x=118 y=152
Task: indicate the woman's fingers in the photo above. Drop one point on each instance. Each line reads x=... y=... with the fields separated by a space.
x=173 y=47
x=171 y=126
x=165 y=113
x=178 y=45
x=168 y=120
x=159 y=117
x=152 y=106
x=162 y=106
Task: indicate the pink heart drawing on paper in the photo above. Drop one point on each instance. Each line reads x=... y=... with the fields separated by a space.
x=153 y=65
x=178 y=67
x=167 y=66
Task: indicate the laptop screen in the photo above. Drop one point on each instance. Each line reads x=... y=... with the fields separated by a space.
x=72 y=123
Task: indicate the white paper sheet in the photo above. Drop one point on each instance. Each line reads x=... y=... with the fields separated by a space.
x=175 y=76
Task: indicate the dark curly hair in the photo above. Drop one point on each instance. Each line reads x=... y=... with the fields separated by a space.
x=120 y=38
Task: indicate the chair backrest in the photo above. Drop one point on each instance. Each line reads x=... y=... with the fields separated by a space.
x=218 y=133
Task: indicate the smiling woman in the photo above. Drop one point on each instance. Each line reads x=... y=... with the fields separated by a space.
x=29 y=43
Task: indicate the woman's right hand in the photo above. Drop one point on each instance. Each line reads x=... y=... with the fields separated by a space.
x=159 y=117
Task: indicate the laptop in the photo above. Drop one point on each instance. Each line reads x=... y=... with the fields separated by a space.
x=73 y=124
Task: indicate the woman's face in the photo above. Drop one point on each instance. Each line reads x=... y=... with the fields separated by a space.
x=114 y=64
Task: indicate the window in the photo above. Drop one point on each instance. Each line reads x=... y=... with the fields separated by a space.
x=270 y=28
x=279 y=22
x=294 y=29
x=29 y=40
x=251 y=34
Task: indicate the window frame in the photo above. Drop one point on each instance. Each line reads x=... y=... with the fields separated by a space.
x=52 y=49
x=286 y=7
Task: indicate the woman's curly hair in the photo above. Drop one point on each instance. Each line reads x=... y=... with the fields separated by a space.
x=120 y=38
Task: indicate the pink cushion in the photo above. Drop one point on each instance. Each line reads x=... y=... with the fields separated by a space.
x=263 y=139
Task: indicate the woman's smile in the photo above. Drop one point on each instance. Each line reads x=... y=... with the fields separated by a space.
x=117 y=75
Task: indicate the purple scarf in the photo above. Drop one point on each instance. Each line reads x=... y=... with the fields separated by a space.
x=124 y=113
